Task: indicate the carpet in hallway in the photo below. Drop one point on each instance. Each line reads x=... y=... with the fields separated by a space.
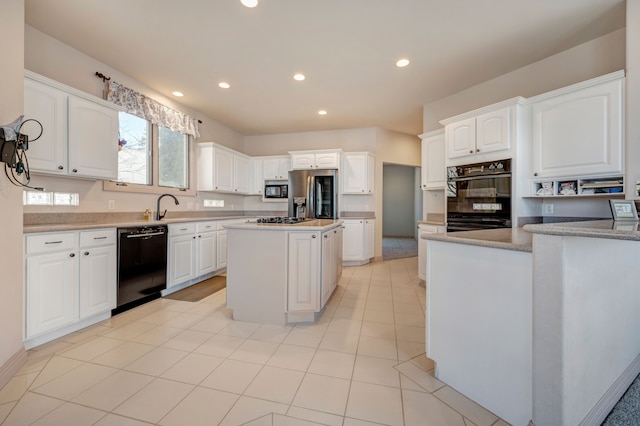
x=399 y=248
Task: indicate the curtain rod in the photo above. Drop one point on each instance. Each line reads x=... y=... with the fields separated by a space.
x=105 y=79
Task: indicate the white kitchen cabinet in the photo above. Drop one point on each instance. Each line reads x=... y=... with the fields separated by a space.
x=433 y=160
x=331 y=263
x=206 y=248
x=52 y=296
x=257 y=179
x=80 y=132
x=222 y=170
x=98 y=268
x=358 y=173
x=423 y=246
x=222 y=247
x=303 y=271
x=484 y=134
x=276 y=167
x=321 y=159
x=70 y=282
x=578 y=130
x=358 y=241
x=182 y=254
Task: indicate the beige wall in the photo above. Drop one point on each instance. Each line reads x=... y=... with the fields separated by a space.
x=388 y=147
x=49 y=57
x=592 y=59
x=11 y=88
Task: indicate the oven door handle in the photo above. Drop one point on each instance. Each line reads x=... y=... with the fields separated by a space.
x=460 y=179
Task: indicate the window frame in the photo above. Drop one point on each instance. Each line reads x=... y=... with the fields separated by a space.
x=154 y=188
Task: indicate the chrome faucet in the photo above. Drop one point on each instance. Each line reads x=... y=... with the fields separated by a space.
x=158 y=215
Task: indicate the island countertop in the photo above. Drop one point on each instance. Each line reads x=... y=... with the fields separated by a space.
x=516 y=239
x=618 y=230
x=307 y=225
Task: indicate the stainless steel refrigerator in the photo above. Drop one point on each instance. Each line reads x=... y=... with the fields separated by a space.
x=313 y=194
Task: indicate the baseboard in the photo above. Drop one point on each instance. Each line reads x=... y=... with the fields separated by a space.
x=603 y=407
x=12 y=366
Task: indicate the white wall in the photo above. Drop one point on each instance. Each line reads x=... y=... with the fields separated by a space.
x=11 y=88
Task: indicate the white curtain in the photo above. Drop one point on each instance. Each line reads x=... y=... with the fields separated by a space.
x=138 y=104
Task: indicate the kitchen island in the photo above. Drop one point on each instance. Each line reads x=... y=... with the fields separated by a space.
x=554 y=302
x=282 y=273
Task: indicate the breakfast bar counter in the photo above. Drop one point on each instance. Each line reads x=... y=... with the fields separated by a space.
x=558 y=302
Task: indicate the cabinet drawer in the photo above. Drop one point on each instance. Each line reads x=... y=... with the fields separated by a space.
x=430 y=229
x=206 y=226
x=182 y=229
x=50 y=242
x=101 y=237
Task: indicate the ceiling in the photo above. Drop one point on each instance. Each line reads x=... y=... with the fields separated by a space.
x=346 y=48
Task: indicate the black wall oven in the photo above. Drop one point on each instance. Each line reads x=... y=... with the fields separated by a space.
x=479 y=196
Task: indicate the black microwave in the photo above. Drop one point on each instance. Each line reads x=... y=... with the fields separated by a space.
x=276 y=191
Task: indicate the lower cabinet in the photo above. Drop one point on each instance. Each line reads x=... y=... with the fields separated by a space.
x=358 y=242
x=313 y=270
x=195 y=250
x=422 y=246
x=70 y=282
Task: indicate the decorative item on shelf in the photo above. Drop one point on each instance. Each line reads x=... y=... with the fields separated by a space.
x=638 y=188
x=546 y=188
x=623 y=210
x=567 y=188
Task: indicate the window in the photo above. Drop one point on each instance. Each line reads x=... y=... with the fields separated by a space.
x=150 y=158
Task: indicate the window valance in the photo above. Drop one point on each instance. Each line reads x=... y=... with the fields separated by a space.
x=140 y=105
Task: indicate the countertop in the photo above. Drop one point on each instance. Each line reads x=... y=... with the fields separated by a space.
x=309 y=225
x=516 y=239
x=619 y=230
x=59 y=227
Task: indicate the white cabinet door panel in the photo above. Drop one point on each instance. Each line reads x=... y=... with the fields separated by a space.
x=97 y=280
x=303 y=272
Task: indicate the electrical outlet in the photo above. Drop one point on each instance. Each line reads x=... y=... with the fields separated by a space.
x=112 y=205
x=547 y=208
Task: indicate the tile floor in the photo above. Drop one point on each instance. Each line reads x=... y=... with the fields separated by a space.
x=188 y=363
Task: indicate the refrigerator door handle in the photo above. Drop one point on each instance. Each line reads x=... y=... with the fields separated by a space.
x=311 y=209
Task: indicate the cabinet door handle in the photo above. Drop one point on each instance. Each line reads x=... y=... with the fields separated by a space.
x=535 y=174
x=313 y=236
x=75 y=170
x=477 y=150
x=363 y=190
x=72 y=255
x=86 y=253
x=326 y=236
x=470 y=151
x=60 y=168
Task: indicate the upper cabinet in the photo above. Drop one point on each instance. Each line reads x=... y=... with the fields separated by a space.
x=578 y=130
x=482 y=135
x=358 y=173
x=276 y=167
x=323 y=159
x=433 y=160
x=222 y=170
x=80 y=132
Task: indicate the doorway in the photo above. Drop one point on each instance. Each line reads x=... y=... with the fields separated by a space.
x=401 y=210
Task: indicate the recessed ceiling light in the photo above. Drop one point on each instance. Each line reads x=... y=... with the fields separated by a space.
x=402 y=63
x=322 y=112
x=178 y=94
x=299 y=77
x=249 y=3
x=224 y=85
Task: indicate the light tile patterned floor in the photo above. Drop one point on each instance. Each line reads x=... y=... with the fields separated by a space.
x=188 y=363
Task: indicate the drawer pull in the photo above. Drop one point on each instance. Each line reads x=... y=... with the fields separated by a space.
x=72 y=255
x=313 y=236
x=53 y=242
x=86 y=253
x=183 y=229
x=99 y=238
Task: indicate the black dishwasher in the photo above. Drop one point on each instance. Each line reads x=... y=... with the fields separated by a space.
x=142 y=265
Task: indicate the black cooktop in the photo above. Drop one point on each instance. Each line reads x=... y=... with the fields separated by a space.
x=280 y=219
